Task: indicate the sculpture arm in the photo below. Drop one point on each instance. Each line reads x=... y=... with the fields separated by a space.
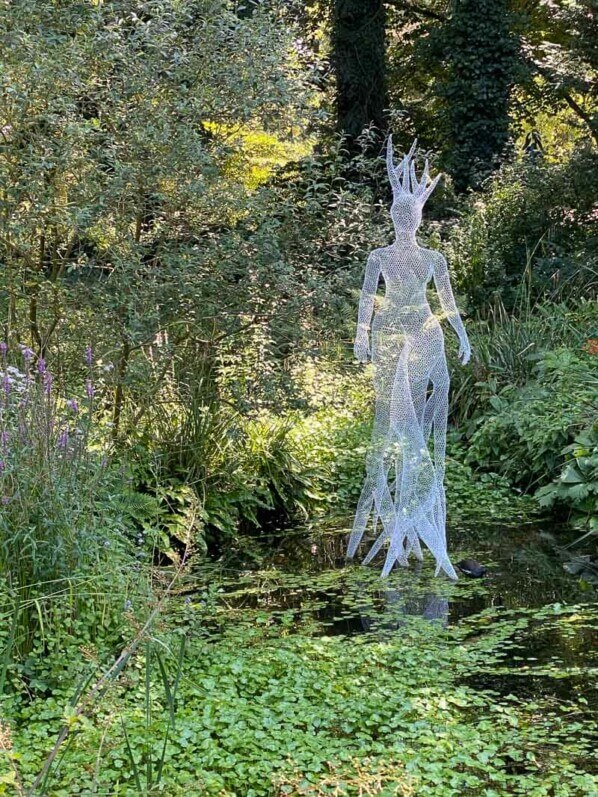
x=366 y=307
x=447 y=302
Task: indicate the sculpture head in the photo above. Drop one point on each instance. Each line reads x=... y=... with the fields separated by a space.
x=409 y=194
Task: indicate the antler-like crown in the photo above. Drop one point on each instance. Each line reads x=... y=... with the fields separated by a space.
x=403 y=178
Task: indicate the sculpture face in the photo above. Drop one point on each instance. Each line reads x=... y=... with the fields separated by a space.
x=406 y=214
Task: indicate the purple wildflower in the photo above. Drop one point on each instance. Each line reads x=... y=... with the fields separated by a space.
x=27 y=354
x=73 y=406
x=5 y=500
x=6 y=382
x=89 y=389
x=2 y=465
x=89 y=356
x=4 y=437
x=41 y=365
x=3 y=348
x=47 y=382
x=63 y=439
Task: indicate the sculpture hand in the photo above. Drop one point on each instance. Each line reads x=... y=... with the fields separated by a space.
x=361 y=348
x=464 y=350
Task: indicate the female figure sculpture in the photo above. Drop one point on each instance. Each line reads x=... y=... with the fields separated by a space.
x=403 y=488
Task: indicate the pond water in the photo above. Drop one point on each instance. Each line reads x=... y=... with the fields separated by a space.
x=299 y=675
x=305 y=572
x=549 y=652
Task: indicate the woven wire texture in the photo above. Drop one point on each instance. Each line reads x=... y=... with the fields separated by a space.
x=403 y=493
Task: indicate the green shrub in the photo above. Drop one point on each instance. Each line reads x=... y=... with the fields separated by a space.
x=481 y=497
x=333 y=441
x=524 y=435
x=332 y=437
x=533 y=216
x=576 y=488
x=506 y=347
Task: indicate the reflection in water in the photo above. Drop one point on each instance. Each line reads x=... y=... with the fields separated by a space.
x=305 y=583
x=543 y=657
x=416 y=598
x=526 y=671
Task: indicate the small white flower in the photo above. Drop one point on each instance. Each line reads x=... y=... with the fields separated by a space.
x=15 y=380
x=13 y=371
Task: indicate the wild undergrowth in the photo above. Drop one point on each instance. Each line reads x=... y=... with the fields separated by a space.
x=65 y=524
x=528 y=404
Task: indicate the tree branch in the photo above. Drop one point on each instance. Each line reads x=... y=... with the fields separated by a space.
x=576 y=107
x=562 y=92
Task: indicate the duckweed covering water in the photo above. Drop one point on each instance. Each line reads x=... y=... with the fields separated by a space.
x=308 y=678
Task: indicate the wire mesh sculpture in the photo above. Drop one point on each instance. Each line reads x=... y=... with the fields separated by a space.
x=403 y=490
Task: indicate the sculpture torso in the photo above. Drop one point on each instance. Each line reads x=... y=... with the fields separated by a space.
x=404 y=310
x=406 y=271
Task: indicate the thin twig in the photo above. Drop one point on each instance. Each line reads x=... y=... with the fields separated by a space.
x=107 y=676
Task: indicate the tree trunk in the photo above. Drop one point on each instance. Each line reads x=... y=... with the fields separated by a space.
x=358 y=55
x=481 y=58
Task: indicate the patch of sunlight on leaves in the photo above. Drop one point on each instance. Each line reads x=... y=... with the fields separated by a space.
x=258 y=153
x=558 y=130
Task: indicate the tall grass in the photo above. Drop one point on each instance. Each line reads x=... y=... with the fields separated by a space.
x=244 y=469
x=506 y=347
x=92 y=692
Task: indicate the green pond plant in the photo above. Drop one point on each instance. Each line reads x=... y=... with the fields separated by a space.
x=211 y=699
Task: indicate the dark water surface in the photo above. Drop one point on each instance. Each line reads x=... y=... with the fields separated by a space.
x=305 y=572
x=304 y=585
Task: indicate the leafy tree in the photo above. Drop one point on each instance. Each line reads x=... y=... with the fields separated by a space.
x=413 y=67
x=119 y=151
x=560 y=48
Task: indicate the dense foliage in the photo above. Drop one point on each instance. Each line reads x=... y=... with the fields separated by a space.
x=188 y=192
x=247 y=688
x=479 y=57
x=535 y=228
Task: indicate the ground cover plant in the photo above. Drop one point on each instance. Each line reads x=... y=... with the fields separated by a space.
x=188 y=192
x=234 y=692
